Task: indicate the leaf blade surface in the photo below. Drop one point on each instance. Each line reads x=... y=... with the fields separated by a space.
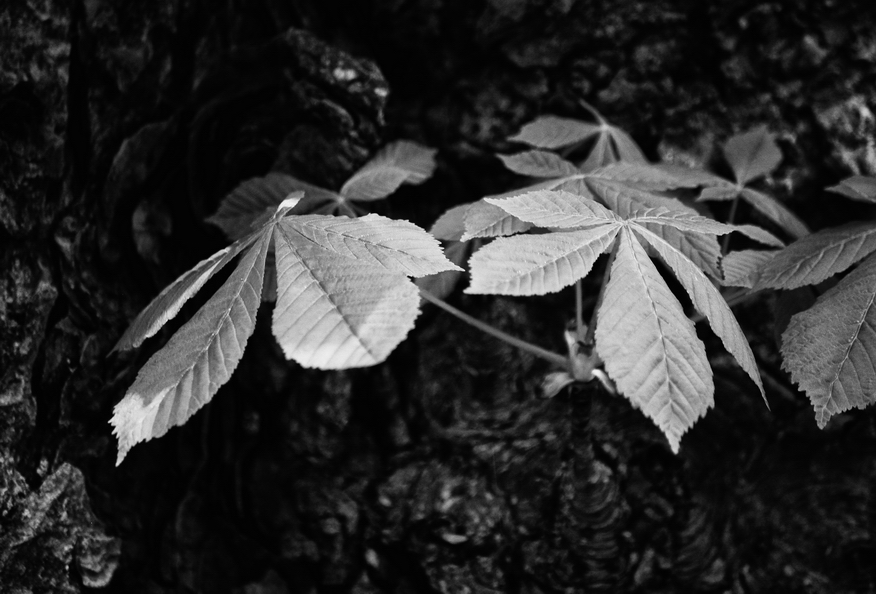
x=167 y=304
x=552 y=132
x=483 y=219
x=857 y=187
x=816 y=257
x=752 y=154
x=538 y=164
x=402 y=162
x=626 y=200
x=776 y=212
x=694 y=223
x=186 y=373
x=829 y=348
x=335 y=312
x=393 y=244
x=742 y=267
x=709 y=302
x=538 y=264
x=555 y=208
x=650 y=348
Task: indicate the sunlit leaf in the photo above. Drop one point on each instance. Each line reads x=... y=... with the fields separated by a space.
x=538 y=264
x=626 y=200
x=184 y=375
x=759 y=234
x=693 y=235
x=254 y=201
x=399 y=246
x=708 y=301
x=443 y=283
x=483 y=219
x=649 y=346
x=344 y=299
x=580 y=228
x=787 y=305
x=829 y=348
x=644 y=176
x=701 y=248
x=684 y=221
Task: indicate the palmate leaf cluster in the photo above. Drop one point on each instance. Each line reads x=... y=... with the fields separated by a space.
x=344 y=295
x=621 y=205
x=649 y=345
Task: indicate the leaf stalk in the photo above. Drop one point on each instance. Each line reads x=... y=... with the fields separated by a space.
x=725 y=244
x=495 y=332
x=589 y=339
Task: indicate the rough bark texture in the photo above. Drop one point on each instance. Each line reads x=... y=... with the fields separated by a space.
x=121 y=126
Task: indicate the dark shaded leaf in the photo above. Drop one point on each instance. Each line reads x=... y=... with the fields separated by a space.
x=819 y=256
x=752 y=154
x=402 y=162
x=538 y=164
x=858 y=188
x=551 y=132
x=776 y=212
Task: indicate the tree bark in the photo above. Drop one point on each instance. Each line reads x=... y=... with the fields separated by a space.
x=122 y=125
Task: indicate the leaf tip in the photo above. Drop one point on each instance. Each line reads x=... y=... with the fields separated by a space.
x=289 y=202
x=133 y=420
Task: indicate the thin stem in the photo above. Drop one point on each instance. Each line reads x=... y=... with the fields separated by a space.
x=495 y=332
x=731 y=219
x=579 y=311
x=589 y=338
x=592 y=110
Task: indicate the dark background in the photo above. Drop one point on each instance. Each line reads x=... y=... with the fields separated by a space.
x=443 y=470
